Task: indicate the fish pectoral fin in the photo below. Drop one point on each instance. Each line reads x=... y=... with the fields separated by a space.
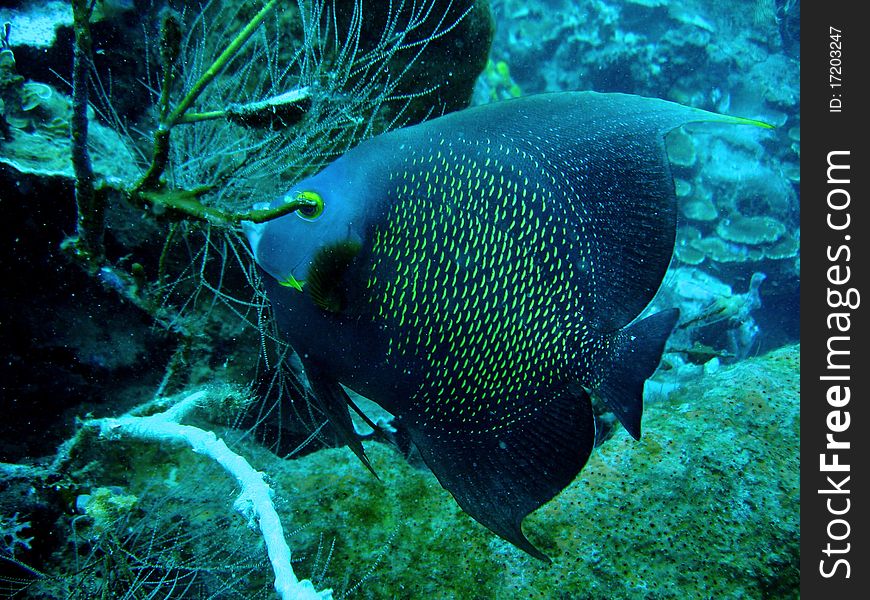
x=634 y=353
x=334 y=401
x=500 y=472
x=326 y=283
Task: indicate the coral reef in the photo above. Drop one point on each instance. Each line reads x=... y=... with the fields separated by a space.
x=12 y=537
x=625 y=527
x=705 y=505
x=36 y=22
x=37 y=140
x=496 y=83
x=729 y=59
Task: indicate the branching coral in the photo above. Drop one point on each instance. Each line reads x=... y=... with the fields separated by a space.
x=255 y=498
x=244 y=103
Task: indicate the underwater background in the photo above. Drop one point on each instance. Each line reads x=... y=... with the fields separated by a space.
x=126 y=295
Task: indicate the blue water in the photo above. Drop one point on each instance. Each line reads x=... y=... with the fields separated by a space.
x=706 y=503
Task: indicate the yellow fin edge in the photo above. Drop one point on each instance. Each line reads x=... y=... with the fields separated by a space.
x=292 y=282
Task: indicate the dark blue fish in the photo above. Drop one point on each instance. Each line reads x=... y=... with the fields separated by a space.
x=479 y=276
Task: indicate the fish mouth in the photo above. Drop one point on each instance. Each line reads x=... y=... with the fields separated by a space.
x=254 y=233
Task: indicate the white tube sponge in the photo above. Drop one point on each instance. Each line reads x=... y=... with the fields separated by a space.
x=255 y=499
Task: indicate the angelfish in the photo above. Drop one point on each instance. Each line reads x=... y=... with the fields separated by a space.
x=479 y=276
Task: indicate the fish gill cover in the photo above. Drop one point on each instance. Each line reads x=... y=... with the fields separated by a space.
x=489 y=277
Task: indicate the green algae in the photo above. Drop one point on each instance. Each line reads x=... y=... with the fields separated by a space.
x=704 y=505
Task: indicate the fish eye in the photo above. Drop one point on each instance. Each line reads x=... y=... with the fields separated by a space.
x=313 y=209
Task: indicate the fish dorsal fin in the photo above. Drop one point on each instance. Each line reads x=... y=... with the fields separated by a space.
x=610 y=149
x=326 y=284
x=499 y=474
x=632 y=355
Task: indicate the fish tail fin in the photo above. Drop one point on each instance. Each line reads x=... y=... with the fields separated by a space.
x=634 y=354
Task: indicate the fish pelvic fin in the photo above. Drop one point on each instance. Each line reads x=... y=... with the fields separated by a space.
x=633 y=355
x=501 y=473
x=331 y=398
